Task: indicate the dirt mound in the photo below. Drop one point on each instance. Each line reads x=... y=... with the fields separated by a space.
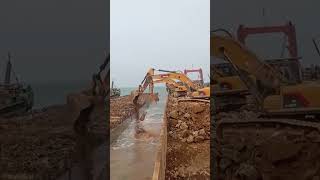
x=42 y=143
x=121 y=108
x=265 y=148
x=188 y=148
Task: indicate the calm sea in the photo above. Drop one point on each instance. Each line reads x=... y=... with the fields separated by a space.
x=158 y=89
x=53 y=93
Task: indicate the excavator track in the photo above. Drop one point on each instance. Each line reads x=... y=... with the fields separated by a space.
x=263 y=148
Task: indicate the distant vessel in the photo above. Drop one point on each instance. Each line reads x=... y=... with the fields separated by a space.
x=115 y=92
x=15 y=97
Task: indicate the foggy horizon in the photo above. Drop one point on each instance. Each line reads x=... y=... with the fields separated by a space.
x=161 y=34
x=62 y=40
x=250 y=13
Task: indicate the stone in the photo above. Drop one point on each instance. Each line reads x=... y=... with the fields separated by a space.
x=184 y=133
x=178 y=125
x=198 y=138
x=174 y=114
x=187 y=116
x=184 y=125
x=190 y=139
x=195 y=133
x=202 y=132
x=197 y=108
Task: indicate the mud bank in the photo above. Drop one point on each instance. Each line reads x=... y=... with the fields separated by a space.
x=188 y=141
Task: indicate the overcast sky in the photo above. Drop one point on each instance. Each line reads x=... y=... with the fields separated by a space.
x=229 y=14
x=160 y=34
x=54 y=40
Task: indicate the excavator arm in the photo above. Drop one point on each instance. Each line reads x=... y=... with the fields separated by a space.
x=147 y=81
x=169 y=78
x=82 y=104
x=168 y=81
x=247 y=63
x=216 y=74
x=177 y=76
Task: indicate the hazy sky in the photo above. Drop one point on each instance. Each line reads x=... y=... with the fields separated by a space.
x=162 y=34
x=54 y=40
x=229 y=14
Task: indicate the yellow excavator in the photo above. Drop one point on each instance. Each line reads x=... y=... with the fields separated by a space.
x=288 y=67
x=226 y=81
x=185 y=86
x=172 y=86
x=229 y=91
x=281 y=140
x=272 y=92
x=88 y=106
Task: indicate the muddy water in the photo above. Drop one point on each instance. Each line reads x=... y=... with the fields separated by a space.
x=132 y=155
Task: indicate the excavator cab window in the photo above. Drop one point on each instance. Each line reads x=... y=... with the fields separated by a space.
x=226 y=69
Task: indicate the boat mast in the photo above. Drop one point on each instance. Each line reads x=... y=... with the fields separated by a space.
x=8 y=70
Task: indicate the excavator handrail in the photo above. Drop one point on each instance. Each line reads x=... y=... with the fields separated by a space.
x=222 y=30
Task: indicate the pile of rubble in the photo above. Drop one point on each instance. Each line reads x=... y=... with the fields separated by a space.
x=41 y=144
x=121 y=108
x=265 y=148
x=188 y=148
x=36 y=144
x=189 y=121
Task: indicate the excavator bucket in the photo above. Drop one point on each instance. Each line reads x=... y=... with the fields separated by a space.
x=155 y=97
x=92 y=99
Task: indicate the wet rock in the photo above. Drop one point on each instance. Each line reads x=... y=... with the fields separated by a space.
x=190 y=139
